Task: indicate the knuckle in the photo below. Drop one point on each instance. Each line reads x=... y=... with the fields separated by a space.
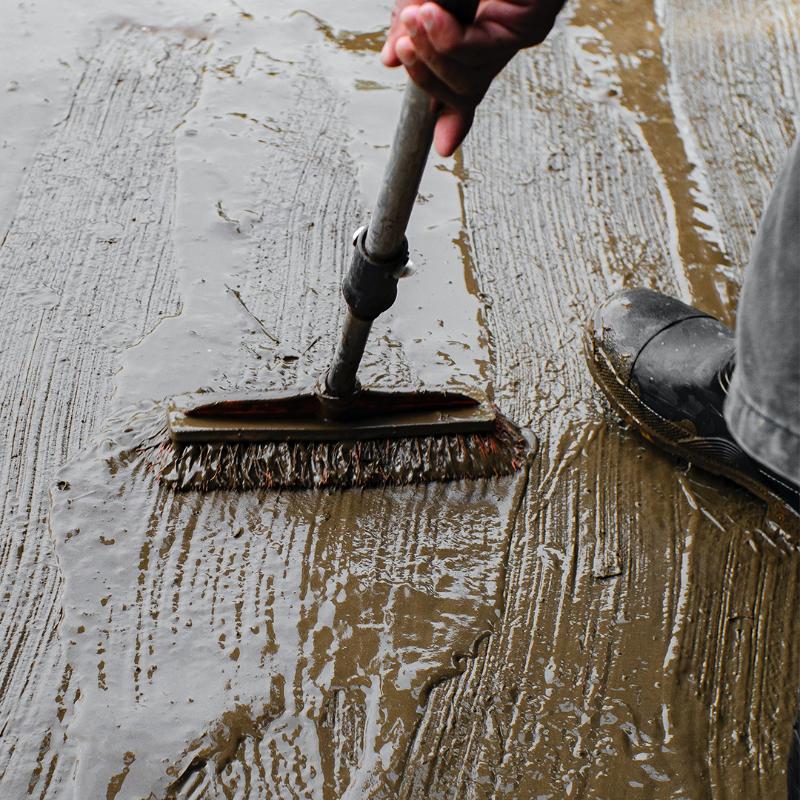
x=445 y=47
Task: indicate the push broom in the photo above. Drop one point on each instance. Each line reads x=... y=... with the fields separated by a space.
x=344 y=435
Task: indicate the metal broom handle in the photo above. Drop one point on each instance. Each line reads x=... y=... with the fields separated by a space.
x=385 y=236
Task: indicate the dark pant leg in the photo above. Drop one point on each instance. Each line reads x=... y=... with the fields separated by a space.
x=763 y=406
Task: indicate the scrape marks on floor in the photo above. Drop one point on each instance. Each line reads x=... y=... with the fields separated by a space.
x=642 y=624
x=86 y=269
x=614 y=625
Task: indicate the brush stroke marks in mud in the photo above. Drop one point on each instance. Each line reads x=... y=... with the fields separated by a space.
x=643 y=635
x=735 y=88
x=619 y=53
x=277 y=165
x=232 y=641
x=279 y=641
x=86 y=269
x=648 y=645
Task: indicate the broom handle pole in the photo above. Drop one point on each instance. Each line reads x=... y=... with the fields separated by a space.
x=401 y=179
x=386 y=233
x=385 y=237
x=407 y=159
x=341 y=379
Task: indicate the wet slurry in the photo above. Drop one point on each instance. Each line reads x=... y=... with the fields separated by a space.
x=175 y=214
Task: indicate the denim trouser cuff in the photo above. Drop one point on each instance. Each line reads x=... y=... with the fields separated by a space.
x=764 y=438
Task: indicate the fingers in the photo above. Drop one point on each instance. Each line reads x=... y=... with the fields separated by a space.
x=427 y=80
x=481 y=44
x=429 y=35
x=456 y=64
x=455 y=118
x=445 y=33
x=410 y=16
x=451 y=129
x=406 y=51
x=418 y=46
x=396 y=29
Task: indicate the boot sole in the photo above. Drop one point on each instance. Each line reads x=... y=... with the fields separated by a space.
x=669 y=436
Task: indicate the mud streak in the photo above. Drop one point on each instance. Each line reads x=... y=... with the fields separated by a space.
x=643 y=647
x=85 y=271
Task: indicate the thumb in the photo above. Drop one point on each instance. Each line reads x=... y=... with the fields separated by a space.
x=451 y=130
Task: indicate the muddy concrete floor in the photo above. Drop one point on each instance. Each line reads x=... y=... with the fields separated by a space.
x=178 y=185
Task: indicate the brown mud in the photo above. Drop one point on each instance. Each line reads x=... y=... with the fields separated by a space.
x=607 y=623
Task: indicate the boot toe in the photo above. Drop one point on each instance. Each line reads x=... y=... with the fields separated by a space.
x=623 y=324
x=666 y=367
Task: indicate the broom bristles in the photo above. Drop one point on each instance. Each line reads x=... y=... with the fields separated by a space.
x=340 y=465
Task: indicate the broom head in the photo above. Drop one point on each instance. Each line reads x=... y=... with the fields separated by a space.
x=285 y=440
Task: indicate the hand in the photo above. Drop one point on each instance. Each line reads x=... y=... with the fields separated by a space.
x=455 y=64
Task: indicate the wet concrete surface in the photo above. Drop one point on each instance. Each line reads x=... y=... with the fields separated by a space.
x=177 y=200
